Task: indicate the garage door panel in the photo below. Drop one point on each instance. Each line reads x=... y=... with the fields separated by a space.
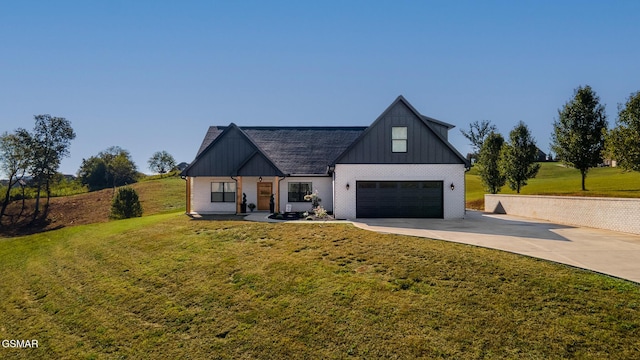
x=408 y=199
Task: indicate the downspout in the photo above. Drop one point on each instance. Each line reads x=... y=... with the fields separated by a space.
x=332 y=170
x=464 y=175
x=236 y=203
x=333 y=185
x=280 y=178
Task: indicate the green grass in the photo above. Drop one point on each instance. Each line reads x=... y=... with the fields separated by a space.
x=555 y=179
x=161 y=195
x=164 y=286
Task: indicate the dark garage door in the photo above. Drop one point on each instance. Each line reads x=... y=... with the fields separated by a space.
x=399 y=199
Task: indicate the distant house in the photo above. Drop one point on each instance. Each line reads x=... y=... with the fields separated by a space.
x=541 y=157
x=183 y=165
x=610 y=162
x=402 y=165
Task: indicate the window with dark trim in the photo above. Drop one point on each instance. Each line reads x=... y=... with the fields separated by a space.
x=298 y=190
x=399 y=139
x=223 y=192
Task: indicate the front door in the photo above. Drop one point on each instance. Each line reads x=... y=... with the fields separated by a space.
x=264 y=195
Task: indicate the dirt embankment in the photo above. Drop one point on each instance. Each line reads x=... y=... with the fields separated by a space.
x=64 y=211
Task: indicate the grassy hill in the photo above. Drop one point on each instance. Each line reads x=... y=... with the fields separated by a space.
x=165 y=286
x=157 y=195
x=555 y=179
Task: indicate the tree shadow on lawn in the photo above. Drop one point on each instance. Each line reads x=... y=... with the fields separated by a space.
x=26 y=224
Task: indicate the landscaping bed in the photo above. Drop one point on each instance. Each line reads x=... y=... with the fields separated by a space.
x=302 y=215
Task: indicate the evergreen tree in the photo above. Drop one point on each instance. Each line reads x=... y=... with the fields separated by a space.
x=126 y=204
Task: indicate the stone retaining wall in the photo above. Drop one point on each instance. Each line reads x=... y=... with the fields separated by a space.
x=618 y=214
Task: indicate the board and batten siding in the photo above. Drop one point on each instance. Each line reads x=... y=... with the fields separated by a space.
x=232 y=154
x=423 y=145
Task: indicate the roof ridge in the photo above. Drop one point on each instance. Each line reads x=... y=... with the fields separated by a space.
x=303 y=127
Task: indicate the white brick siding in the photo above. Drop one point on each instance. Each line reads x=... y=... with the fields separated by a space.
x=201 y=193
x=322 y=184
x=201 y=196
x=345 y=200
x=616 y=214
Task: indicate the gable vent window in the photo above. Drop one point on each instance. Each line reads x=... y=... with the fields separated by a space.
x=399 y=139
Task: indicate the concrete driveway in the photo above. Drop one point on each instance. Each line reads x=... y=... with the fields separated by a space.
x=604 y=251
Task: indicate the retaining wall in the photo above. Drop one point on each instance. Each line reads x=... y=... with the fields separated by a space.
x=618 y=214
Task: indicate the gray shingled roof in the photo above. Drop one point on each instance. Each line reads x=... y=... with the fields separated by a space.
x=211 y=135
x=296 y=150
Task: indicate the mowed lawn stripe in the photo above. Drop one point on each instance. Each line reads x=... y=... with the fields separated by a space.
x=165 y=286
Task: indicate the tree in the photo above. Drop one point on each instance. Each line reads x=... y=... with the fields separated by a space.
x=51 y=139
x=93 y=173
x=161 y=162
x=518 y=157
x=126 y=204
x=489 y=163
x=121 y=168
x=478 y=131
x=622 y=143
x=111 y=167
x=579 y=132
x=15 y=159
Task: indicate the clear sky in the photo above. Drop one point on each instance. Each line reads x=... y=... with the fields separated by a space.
x=153 y=75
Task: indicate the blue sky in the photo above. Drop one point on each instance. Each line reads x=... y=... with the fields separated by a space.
x=153 y=75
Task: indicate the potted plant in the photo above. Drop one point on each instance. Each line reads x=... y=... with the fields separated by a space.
x=272 y=204
x=252 y=206
x=243 y=205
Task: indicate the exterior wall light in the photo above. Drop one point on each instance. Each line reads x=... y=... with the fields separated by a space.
x=347 y=186
x=260 y=179
x=452 y=187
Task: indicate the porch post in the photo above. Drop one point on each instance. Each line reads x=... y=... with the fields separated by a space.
x=239 y=195
x=188 y=184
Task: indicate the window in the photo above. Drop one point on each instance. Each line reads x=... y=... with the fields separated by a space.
x=399 y=139
x=223 y=192
x=297 y=191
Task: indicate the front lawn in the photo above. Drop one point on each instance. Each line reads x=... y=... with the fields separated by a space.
x=165 y=286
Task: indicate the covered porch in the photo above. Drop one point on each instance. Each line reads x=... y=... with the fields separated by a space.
x=260 y=191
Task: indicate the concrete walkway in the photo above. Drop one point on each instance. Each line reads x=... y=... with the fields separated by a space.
x=604 y=251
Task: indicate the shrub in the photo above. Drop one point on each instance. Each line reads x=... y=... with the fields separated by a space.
x=320 y=212
x=279 y=217
x=126 y=204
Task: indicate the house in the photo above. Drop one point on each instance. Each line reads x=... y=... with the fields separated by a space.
x=541 y=156
x=402 y=165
